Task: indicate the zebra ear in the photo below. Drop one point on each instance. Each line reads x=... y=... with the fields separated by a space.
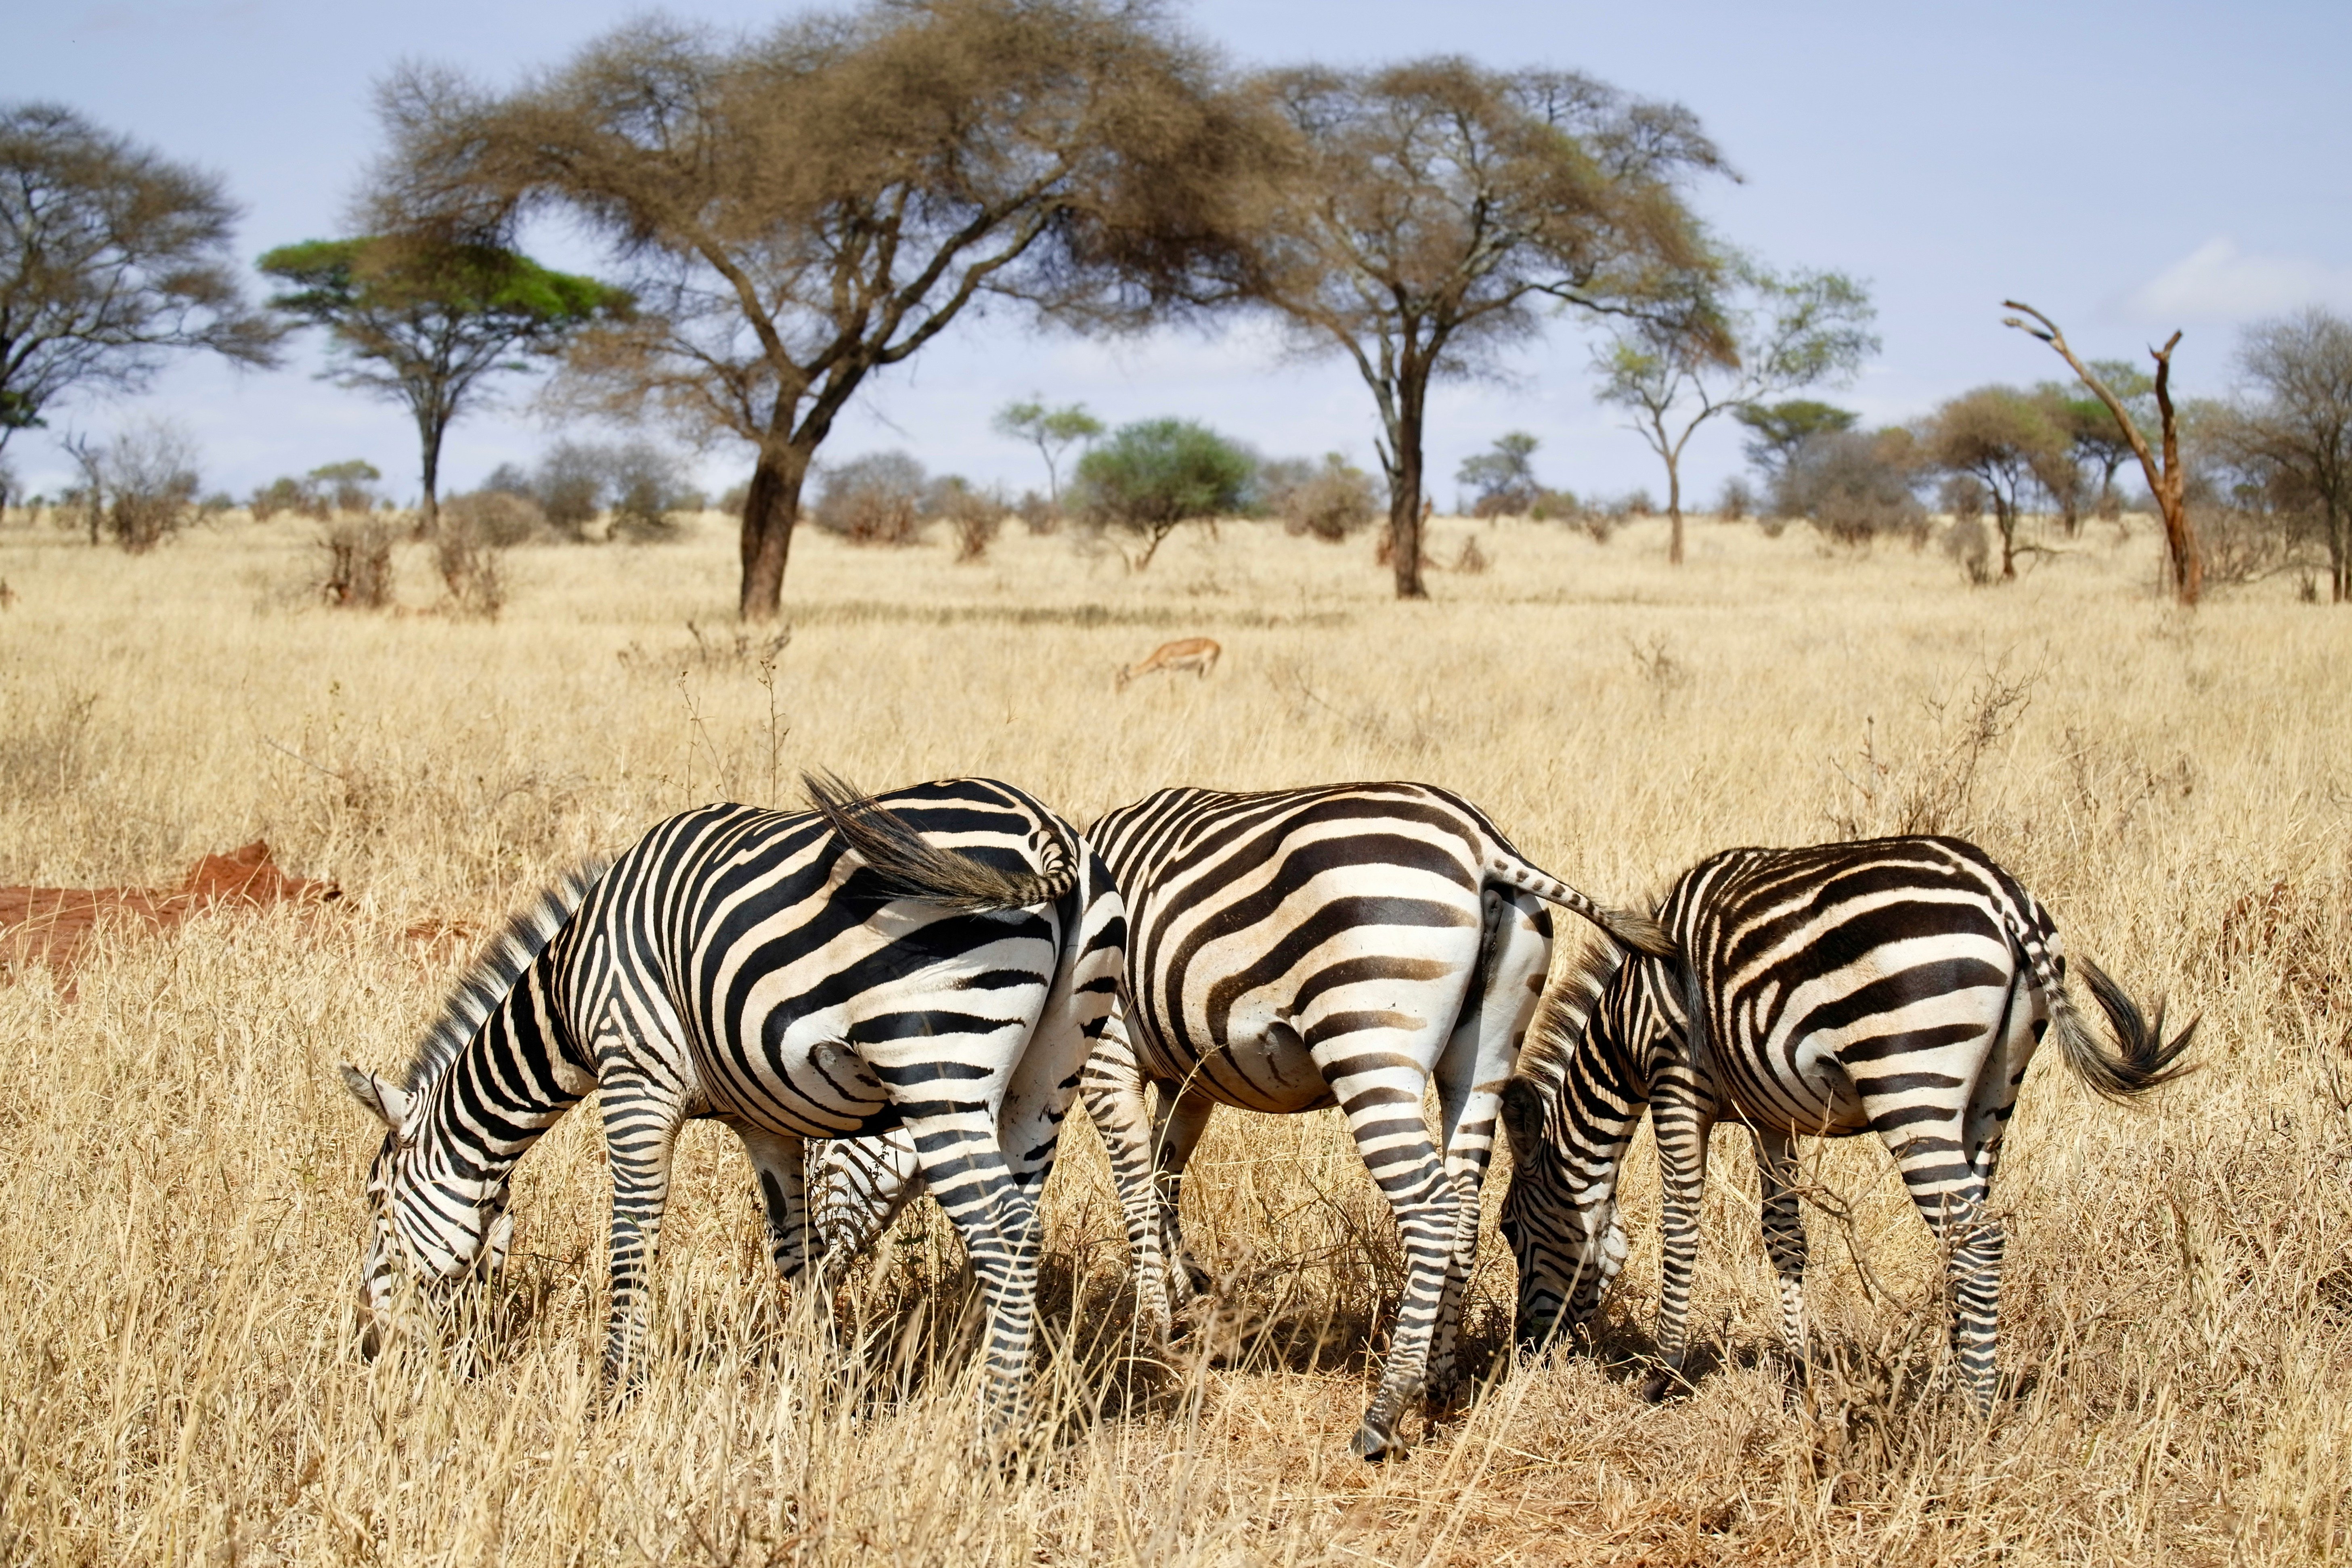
x=1522 y=1114
x=389 y=1105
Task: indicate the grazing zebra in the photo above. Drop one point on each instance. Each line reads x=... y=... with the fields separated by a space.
x=1897 y=986
x=939 y=960
x=1343 y=946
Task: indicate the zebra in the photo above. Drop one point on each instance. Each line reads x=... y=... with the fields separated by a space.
x=1287 y=952
x=1894 y=985
x=939 y=960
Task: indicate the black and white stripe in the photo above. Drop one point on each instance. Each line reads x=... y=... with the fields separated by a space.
x=1897 y=986
x=1346 y=945
x=938 y=961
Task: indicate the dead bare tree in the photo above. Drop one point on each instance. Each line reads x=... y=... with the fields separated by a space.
x=2167 y=481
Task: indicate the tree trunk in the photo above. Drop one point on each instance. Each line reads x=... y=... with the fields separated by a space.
x=770 y=507
x=432 y=430
x=2339 y=558
x=2005 y=514
x=1404 y=495
x=1675 y=510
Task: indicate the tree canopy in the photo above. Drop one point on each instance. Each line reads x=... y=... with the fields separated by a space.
x=1419 y=217
x=1738 y=334
x=1154 y=474
x=111 y=257
x=797 y=210
x=422 y=320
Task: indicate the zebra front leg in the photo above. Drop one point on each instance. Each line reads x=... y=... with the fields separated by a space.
x=641 y=1126
x=780 y=1166
x=1682 y=1128
x=1784 y=1242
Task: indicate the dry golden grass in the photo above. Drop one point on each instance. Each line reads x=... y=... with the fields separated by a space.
x=179 y=1173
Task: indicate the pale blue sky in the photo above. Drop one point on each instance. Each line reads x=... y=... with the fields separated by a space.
x=2128 y=168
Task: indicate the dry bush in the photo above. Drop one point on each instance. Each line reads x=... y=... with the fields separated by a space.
x=1329 y=501
x=179 y=1384
x=359 y=566
x=873 y=499
x=975 y=517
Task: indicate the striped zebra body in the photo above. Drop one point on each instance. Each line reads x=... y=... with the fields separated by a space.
x=1897 y=986
x=1347 y=946
x=938 y=961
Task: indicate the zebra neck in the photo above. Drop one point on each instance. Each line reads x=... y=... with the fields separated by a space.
x=515 y=1079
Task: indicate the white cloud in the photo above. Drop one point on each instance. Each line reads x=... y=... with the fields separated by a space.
x=2218 y=282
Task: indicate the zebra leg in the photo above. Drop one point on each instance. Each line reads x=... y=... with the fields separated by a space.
x=779 y=1162
x=1077 y=1012
x=1380 y=1090
x=857 y=1188
x=1479 y=1058
x=966 y=1171
x=641 y=1123
x=1178 y=1121
x=1682 y=1122
x=1784 y=1241
x=1111 y=1085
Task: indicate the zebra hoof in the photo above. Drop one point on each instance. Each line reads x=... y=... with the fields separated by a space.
x=1662 y=1384
x=1373 y=1446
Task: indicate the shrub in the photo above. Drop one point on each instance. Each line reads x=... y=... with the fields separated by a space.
x=499 y=518
x=569 y=488
x=1737 y=502
x=1329 y=501
x=975 y=516
x=873 y=499
x=359 y=564
x=1557 y=506
x=288 y=495
x=1968 y=546
x=647 y=488
x=1851 y=485
x=1037 y=513
x=149 y=478
x=469 y=548
x=1152 y=476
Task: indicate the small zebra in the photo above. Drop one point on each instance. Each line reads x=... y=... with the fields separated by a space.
x=1897 y=986
x=939 y=960
x=1345 y=945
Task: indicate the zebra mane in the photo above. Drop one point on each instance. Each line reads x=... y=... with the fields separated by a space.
x=502 y=963
x=1566 y=1006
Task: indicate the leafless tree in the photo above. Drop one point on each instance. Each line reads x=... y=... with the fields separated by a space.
x=1423 y=214
x=796 y=211
x=2165 y=480
x=2296 y=432
x=110 y=257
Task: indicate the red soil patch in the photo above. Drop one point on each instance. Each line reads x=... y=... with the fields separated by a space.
x=49 y=925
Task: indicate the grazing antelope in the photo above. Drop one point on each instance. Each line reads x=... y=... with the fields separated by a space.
x=1198 y=655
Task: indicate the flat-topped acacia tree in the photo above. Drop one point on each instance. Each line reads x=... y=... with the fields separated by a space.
x=797 y=210
x=1422 y=215
x=423 y=320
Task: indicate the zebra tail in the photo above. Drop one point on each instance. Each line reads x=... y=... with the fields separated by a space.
x=1629 y=927
x=909 y=868
x=2148 y=1060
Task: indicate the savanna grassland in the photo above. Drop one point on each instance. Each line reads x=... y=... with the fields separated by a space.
x=179 y=1170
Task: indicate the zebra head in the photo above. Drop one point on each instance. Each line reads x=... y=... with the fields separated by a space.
x=1568 y=1111
x=416 y=1232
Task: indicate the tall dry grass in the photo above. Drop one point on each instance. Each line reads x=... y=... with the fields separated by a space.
x=179 y=1173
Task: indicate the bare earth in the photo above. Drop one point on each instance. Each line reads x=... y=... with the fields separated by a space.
x=180 y=1173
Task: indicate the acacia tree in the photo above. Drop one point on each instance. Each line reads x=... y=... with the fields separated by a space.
x=423 y=320
x=1731 y=344
x=2166 y=481
x=2007 y=442
x=1421 y=213
x=110 y=257
x=1776 y=431
x=796 y=211
x=1053 y=431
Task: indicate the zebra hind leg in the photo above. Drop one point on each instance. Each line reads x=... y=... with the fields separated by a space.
x=641 y=1126
x=1784 y=1241
x=1111 y=1087
x=1682 y=1134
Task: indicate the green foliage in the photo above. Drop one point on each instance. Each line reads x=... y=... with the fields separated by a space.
x=422 y=321
x=1152 y=476
x=1053 y=431
x=1779 y=428
x=1504 y=477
